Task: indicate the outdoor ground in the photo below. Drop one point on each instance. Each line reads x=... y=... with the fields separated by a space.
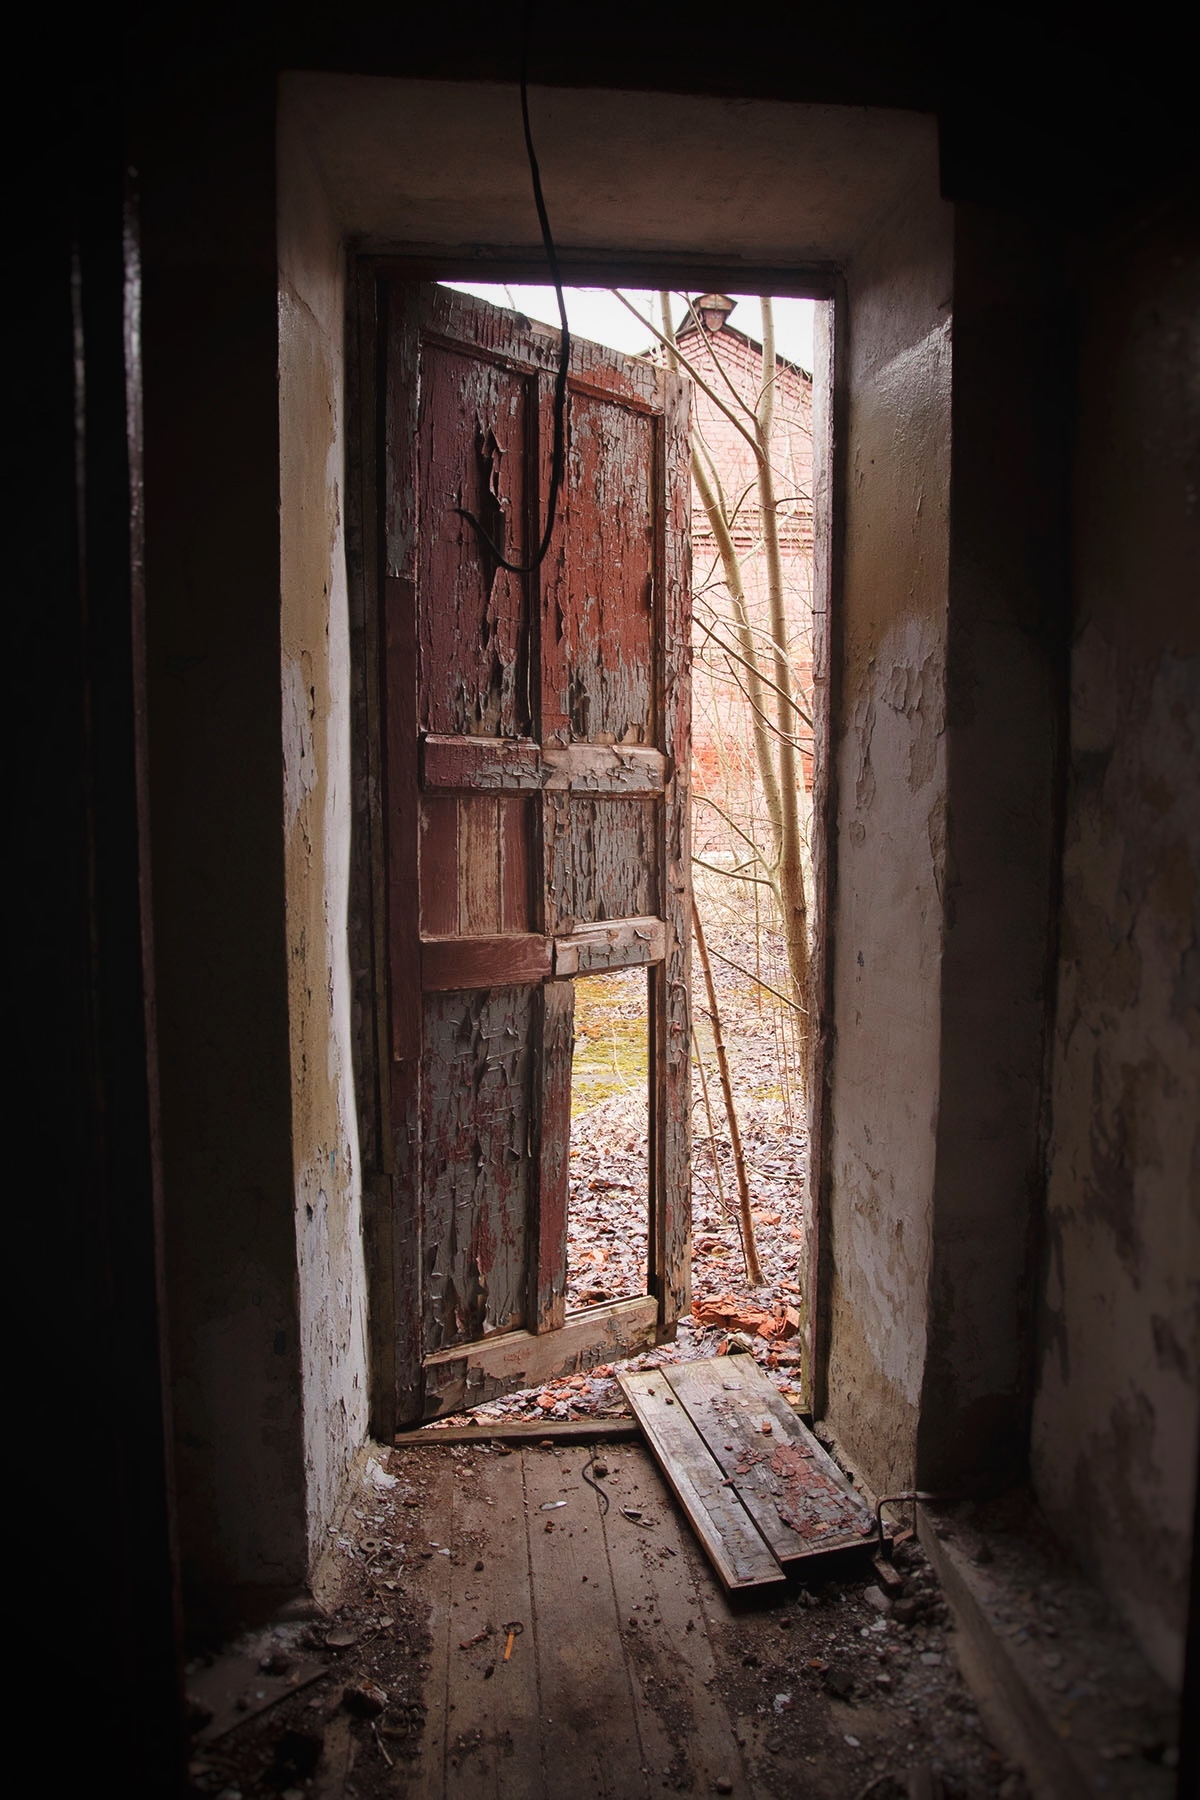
x=608 y=1199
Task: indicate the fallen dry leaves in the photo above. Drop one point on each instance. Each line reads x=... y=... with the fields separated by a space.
x=609 y=1195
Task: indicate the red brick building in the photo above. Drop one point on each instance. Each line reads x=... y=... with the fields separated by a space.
x=729 y=360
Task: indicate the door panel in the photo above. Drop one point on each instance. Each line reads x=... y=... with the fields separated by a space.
x=602 y=859
x=477 y=1093
x=536 y=825
x=608 y=571
x=474 y=667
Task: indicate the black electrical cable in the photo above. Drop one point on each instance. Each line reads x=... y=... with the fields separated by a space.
x=593 y=1483
x=558 y=455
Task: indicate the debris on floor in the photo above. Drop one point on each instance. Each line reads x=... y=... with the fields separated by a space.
x=1098 y=1718
x=617 y=1631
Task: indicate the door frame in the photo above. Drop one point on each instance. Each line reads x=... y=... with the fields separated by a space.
x=385 y=1169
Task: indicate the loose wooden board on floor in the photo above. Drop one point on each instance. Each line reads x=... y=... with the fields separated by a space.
x=735 y=1547
x=759 y=1490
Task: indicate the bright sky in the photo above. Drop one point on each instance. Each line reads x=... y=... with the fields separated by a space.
x=597 y=314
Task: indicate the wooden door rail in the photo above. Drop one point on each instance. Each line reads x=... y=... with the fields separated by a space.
x=468 y=1374
x=516 y=765
x=513 y=959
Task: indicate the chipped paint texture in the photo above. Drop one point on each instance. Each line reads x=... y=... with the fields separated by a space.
x=601 y=856
x=1115 y=1433
x=474 y=653
x=316 y=773
x=477 y=1141
x=887 y=911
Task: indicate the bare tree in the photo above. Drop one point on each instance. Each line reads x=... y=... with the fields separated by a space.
x=757 y=659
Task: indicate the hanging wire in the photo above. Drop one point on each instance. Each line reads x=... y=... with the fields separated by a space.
x=558 y=452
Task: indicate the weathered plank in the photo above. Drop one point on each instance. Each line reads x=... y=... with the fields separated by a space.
x=609 y=538
x=473 y=1373
x=802 y=1503
x=686 y=1731
x=523 y=1431
x=479 y=910
x=583 y=1680
x=604 y=769
x=477 y=1093
x=480 y=762
x=439 y=865
x=502 y=959
x=731 y=1541
x=621 y=944
x=494 y=1727
x=427 y=1781
x=520 y=764
x=520 y=864
x=670 y=1024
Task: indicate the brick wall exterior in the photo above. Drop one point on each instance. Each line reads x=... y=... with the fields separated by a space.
x=730 y=362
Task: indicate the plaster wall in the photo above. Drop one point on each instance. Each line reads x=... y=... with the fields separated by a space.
x=886 y=919
x=315 y=674
x=1115 y=1426
x=441 y=165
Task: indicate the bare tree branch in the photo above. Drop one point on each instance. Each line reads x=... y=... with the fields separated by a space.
x=738 y=874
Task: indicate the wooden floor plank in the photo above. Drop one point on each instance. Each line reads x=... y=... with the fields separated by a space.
x=667 y=1608
x=427 y=1779
x=493 y=1741
x=591 y=1747
x=730 y=1538
x=800 y=1500
x=730 y=1424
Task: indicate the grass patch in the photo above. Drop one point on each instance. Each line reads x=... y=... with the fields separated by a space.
x=612 y=1045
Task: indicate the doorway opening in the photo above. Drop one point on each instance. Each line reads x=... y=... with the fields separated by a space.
x=747 y=364
x=608 y=1207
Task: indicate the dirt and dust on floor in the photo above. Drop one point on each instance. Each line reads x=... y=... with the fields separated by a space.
x=493 y=1621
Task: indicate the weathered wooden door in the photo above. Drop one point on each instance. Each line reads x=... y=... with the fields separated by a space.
x=536 y=771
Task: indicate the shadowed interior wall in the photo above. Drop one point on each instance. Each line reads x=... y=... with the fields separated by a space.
x=1003 y=733
x=1115 y=1427
x=315 y=677
x=212 y=601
